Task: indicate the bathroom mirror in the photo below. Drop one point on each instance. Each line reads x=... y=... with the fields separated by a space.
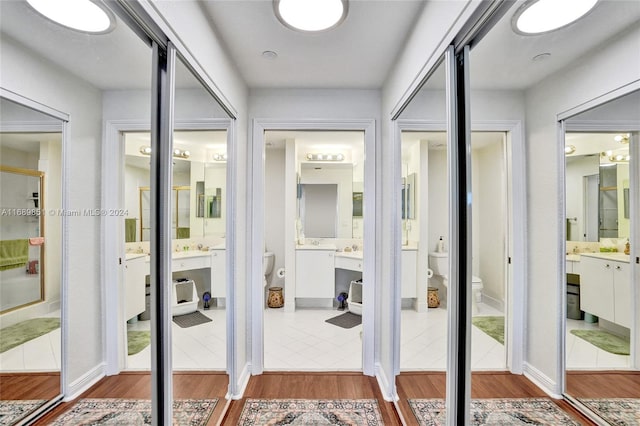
x=198 y=185
x=597 y=175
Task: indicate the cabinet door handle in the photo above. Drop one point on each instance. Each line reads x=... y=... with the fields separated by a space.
x=608 y=266
x=618 y=268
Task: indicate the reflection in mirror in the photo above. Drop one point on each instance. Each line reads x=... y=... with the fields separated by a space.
x=423 y=208
x=314 y=247
x=601 y=366
x=30 y=242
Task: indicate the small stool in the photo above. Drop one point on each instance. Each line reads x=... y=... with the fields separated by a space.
x=433 y=301
x=275 y=299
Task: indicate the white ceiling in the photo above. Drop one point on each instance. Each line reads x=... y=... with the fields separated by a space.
x=357 y=54
x=28 y=142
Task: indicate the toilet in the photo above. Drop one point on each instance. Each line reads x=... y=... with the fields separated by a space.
x=268 y=260
x=439 y=263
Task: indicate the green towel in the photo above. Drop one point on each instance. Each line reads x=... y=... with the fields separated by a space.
x=13 y=254
x=182 y=233
x=129 y=230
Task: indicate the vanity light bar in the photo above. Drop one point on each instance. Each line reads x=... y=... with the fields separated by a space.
x=325 y=157
x=178 y=153
x=220 y=157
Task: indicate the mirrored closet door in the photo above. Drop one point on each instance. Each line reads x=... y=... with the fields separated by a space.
x=601 y=189
x=30 y=260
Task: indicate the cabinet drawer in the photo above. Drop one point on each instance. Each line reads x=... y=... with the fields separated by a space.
x=188 y=263
x=349 y=263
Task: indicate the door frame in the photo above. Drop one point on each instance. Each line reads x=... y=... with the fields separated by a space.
x=517 y=248
x=113 y=246
x=256 y=213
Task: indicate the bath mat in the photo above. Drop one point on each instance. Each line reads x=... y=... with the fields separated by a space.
x=604 y=340
x=22 y=332
x=294 y=412
x=12 y=411
x=137 y=341
x=512 y=412
x=134 y=412
x=192 y=319
x=493 y=326
x=616 y=411
x=346 y=320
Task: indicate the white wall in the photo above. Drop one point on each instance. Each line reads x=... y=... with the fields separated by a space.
x=588 y=78
x=26 y=74
x=577 y=169
x=274 y=230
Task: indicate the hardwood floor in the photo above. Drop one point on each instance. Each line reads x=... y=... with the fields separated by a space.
x=137 y=385
x=603 y=384
x=29 y=385
x=483 y=385
x=272 y=385
x=313 y=386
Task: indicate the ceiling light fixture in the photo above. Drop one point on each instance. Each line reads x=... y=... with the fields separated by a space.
x=311 y=15
x=86 y=16
x=541 y=16
x=569 y=149
x=220 y=157
x=325 y=157
x=177 y=153
x=622 y=138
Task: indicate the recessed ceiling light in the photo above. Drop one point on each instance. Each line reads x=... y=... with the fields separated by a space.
x=80 y=15
x=541 y=16
x=311 y=15
x=269 y=54
x=541 y=57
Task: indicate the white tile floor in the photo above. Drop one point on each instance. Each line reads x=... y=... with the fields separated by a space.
x=303 y=341
x=201 y=347
x=423 y=342
x=582 y=355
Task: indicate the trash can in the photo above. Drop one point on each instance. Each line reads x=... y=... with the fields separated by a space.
x=573 y=297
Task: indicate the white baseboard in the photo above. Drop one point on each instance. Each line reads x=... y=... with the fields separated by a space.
x=385 y=385
x=243 y=381
x=494 y=303
x=549 y=386
x=89 y=379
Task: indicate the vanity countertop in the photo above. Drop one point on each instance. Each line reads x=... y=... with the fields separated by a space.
x=573 y=257
x=619 y=257
x=350 y=254
x=131 y=256
x=189 y=253
x=315 y=247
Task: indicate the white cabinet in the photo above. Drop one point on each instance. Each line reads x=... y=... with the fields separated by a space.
x=218 y=273
x=315 y=276
x=622 y=293
x=134 y=287
x=349 y=263
x=409 y=271
x=573 y=267
x=605 y=289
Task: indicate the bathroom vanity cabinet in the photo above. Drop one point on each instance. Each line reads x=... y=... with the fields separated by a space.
x=409 y=271
x=219 y=273
x=605 y=288
x=134 y=286
x=315 y=276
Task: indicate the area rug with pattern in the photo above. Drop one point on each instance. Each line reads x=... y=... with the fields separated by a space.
x=504 y=411
x=295 y=412
x=604 y=340
x=11 y=411
x=17 y=334
x=134 y=412
x=616 y=411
